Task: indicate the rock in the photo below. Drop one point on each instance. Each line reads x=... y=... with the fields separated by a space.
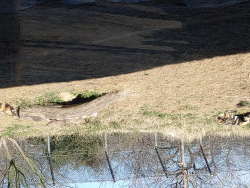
x=65 y=96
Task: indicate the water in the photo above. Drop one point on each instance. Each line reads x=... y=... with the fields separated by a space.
x=134 y=160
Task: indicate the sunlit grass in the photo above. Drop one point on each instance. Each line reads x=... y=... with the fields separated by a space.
x=186 y=122
x=51 y=97
x=86 y=93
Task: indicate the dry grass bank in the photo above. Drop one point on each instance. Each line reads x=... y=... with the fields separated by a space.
x=179 y=99
x=176 y=68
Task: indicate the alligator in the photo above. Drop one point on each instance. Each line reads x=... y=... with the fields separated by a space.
x=64 y=113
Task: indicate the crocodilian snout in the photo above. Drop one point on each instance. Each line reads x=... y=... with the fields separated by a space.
x=15 y=112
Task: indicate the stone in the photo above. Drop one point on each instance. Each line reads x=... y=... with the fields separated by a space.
x=66 y=97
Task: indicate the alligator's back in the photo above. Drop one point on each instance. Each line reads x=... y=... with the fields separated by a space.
x=67 y=112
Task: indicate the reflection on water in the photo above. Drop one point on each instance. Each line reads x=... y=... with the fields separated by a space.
x=134 y=160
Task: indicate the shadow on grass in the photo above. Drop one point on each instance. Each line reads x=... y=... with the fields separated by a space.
x=90 y=53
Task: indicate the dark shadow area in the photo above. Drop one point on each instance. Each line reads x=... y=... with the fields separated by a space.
x=80 y=99
x=9 y=47
x=243 y=103
x=59 y=42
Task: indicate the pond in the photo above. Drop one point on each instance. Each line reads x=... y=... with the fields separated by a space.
x=125 y=160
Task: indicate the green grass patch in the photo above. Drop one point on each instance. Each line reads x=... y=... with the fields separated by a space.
x=248 y=126
x=190 y=116
x=147 y=112
x=86 y=96
x=174 y=118
x=243 y=104
x=81 y=97
x=51 y=97
x=23 y=103
x=114 y=125
x=14 y=131
x=166 y=125
x=86 y=93
x=94 y=126
x=188 y=107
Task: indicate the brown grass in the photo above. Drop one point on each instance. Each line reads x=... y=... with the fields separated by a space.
x=178 y=99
